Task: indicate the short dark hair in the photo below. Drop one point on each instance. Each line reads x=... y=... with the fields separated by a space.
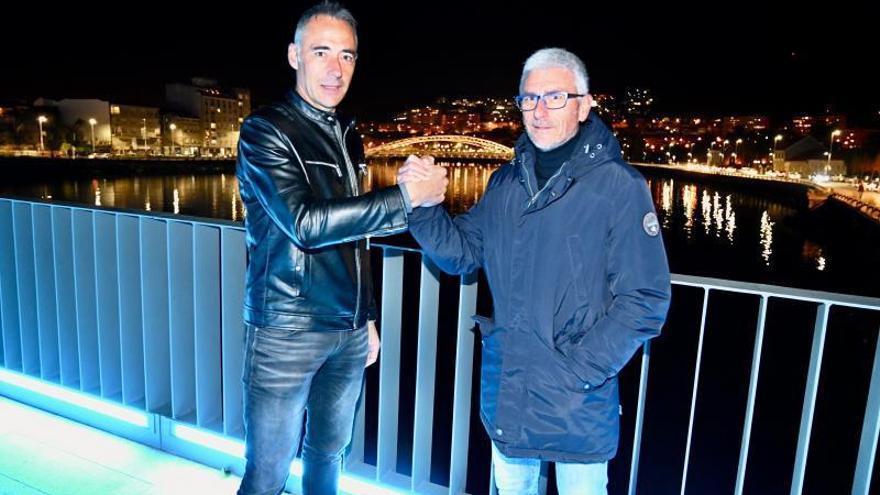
x=329 y=9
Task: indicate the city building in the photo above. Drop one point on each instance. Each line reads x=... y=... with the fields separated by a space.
x=808 y=157
x=220 y=110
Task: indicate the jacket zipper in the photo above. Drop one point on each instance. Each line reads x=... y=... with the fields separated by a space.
x=380 y=233
x=325 y=164
x=352 y=179
x=529 y=182
x=526 y=175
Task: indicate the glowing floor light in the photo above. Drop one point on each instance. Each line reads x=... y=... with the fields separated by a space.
x=347 y=482
x=95 y=404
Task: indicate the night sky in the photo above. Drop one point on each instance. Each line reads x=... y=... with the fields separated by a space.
x=710 y=58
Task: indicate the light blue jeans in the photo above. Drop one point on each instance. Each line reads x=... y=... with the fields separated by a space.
x=518 y=476
x=286 y=374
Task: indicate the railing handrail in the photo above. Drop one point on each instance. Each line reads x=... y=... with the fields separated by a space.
x=211 y=222
x=838 y=299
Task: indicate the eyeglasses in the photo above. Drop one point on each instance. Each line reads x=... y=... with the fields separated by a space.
x=553 y=101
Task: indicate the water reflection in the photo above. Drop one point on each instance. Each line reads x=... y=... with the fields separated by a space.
x=766 y=237
x=707 y=212
x=217 y=195
x=467 y=181
x=716 y=213
x=814 y=255
x=683 y=207
x=730 y=219
x=689 y=201
x=719 y=214
x=666 y=202
x=234 y=214
x=213 y=196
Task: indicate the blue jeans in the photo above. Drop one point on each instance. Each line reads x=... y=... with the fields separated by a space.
x=517 y=476
x=287 y=373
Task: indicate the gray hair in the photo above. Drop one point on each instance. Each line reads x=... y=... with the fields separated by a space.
x=547 y=58
x=325 y=8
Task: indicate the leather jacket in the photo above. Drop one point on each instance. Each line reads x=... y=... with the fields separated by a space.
x=307 y=221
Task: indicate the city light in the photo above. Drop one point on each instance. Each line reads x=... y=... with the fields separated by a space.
x=42 y=120
x=92 y=123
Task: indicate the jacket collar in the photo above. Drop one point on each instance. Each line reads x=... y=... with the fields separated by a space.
x=314 y=114
x=597 y=146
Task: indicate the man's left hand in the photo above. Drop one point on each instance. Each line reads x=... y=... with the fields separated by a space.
x=373 y=343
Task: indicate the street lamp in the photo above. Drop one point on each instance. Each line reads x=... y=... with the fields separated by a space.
x=835 y=133
x=736 y=150
x=41 y=120
x=146 y=147
x=776 y=140
x=92 y=123
x=173 y=127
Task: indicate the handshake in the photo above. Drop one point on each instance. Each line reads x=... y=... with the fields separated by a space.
x=424 y=182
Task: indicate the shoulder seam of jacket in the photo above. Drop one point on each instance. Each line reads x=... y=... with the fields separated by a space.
x=292 y=146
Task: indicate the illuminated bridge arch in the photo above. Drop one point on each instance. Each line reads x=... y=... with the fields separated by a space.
x=443 y=146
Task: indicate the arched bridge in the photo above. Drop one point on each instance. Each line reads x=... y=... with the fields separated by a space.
x=443 y=146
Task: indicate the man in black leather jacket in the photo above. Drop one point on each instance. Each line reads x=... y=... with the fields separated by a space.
x=309 y=309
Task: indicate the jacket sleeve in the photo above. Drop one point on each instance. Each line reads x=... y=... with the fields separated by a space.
x=639 y=283
x=269 y=166
x=455 y=245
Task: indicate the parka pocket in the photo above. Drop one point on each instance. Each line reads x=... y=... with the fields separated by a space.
x=492 y=356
